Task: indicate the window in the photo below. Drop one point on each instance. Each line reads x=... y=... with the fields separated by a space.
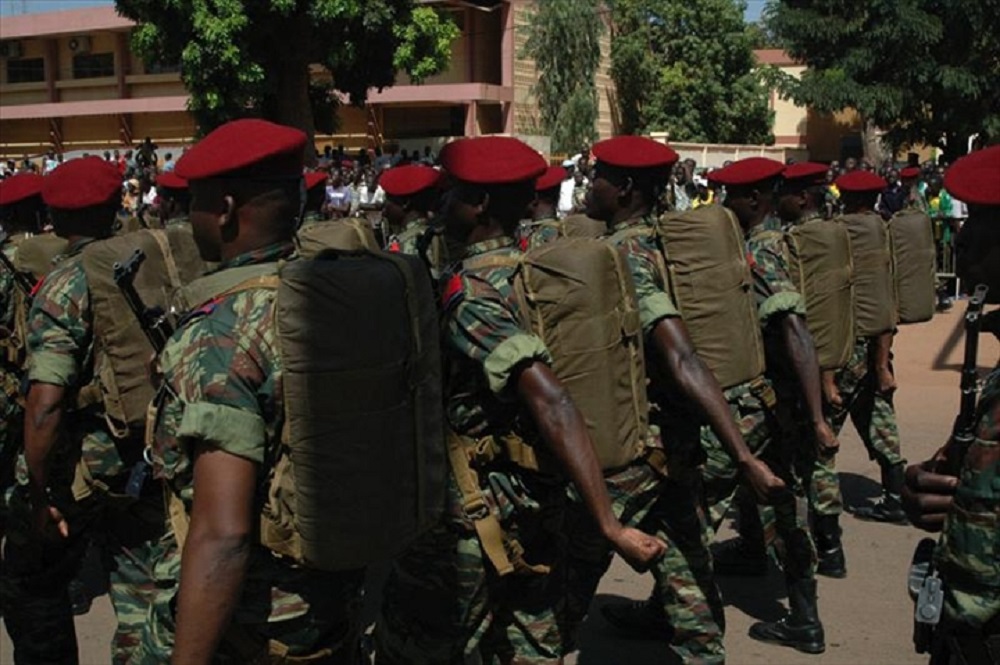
x=93 y=65
x=26 y=70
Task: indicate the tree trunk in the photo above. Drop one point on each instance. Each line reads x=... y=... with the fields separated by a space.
x=871 y=141
x=290 y=69
x=957 y=145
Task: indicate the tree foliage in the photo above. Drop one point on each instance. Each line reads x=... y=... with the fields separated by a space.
x=253 y=57
x=564 y=41
x=687 y=67
x=925 y=71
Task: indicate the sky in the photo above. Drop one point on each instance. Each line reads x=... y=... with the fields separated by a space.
x=8 y=7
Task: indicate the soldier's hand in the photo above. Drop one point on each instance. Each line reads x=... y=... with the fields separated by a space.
x=638 y=548
x=827 y=444
x=928 y=495
x=886 y=381
x=49 y=519
x=767 y=487
x=831 y=394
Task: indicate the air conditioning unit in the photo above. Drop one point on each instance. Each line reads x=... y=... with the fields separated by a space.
x=79 y=45
x=11 y=49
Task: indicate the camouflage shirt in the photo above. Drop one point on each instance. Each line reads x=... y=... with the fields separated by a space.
x=539 y=232
x=222 y=388
x=7 y=285
x=637 y=239
x=405 y=242
x=485 y=341
x=773 y=288
x=61 y=352
x=968 y=554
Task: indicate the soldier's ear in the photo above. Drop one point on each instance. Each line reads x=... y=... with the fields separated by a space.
x=228 y=214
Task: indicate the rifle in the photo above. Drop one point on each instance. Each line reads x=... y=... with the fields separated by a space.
x=22 y=281
x=925 y=585
x=152 y=320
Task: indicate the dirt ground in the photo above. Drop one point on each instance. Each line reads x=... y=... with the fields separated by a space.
x=867 y=615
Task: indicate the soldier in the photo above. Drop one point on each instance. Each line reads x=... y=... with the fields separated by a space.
x=77 y=471
x=866 y=384
x=315 y=198
x=543 y=227
x=957 y=492
x=219 y=422
x=910 y=178
x=412 y=193
x=685 y=605
x=478 y=585
x=175 y=199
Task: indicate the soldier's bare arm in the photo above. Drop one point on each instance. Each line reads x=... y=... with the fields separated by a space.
x=882 y=351
x=563 y=429
x=42 y=422
x=696 y=382
x=801 y=356
x=216 y=553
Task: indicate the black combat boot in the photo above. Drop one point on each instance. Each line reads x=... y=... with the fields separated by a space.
x=639 y=619
x=889 y=508
x=801 y=628
x=826 y=532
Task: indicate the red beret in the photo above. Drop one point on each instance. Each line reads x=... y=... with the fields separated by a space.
x=19 y=187
x=245 y=148
x=747 y=171
x=82 y=183
x=910 y=172
x=551 y=179
x=861 y=181
x=808 y=172
x=408 y=180
x=975 y=178
x=492 y=160
x=315 y=179
x=634 y=152
x=171 y=180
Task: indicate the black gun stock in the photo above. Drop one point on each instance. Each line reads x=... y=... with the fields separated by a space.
x=153 y=321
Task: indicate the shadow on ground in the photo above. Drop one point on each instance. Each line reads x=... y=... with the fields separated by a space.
x=600 y=644
x=858 y=490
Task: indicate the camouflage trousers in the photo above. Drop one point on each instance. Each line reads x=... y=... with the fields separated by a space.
x=36 y=576
x=669 y=508
x=753 y=410
x=872 y=413
x=11 y=436
x=445 y=604
x=327 y=633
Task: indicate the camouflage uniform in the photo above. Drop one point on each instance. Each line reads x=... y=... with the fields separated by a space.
x=968 y=554
x=666 y=506
x=872 y=413
x=406 y=240
x=11 y=413
x=538 y=232
x=61 y=348
x=222 y=384
x=444 y=601
x=754 y=408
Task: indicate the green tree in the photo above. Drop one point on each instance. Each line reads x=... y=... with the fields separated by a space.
x=253 y=57
x=687 y=67
x=564 y=41
x=925 y=71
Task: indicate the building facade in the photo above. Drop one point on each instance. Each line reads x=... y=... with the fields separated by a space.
x=69 y=81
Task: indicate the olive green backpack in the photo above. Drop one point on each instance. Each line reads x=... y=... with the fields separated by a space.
x=710 y=280
x=914 y=265
x=122 y=351
x=577 y=295
x=34 y=255
x=820 y=265
x=874 y=302
x=345 y=234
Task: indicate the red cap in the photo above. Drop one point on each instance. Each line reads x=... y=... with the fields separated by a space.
x=634 y=152
x=551 y=179
x=492 y=160
x=747 y=171
x=975 y=178
x=245 y=148
x=315 y=179
x=807 y=172
x=910 y=172
x=19 y=187
x=170 y=180
x=82 y=183
x=861 y=181
x=408 y=180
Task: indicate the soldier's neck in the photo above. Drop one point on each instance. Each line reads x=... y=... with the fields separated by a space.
x=631 y=212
